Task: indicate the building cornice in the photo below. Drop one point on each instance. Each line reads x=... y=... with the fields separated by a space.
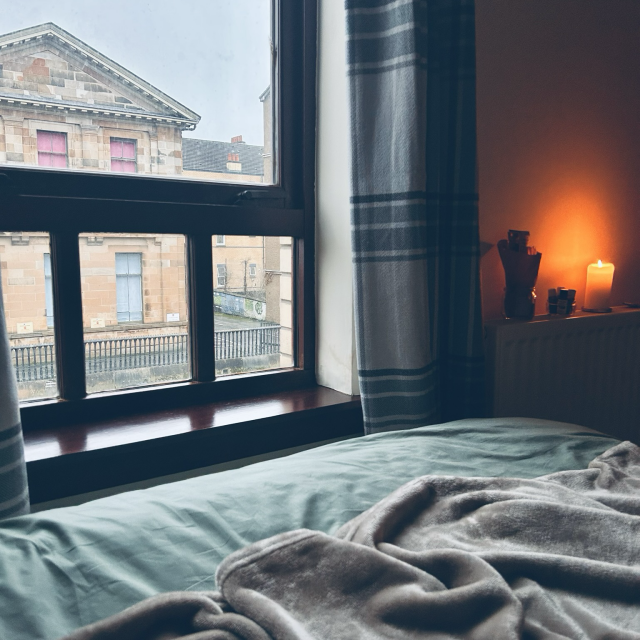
x=18 y=101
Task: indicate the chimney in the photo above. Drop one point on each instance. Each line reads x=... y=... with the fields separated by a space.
x=236 y=139
x=233 y=157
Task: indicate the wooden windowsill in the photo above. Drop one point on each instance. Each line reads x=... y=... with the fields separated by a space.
x=78 y=458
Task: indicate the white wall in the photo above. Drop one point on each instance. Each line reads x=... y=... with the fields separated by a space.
x=336 y=358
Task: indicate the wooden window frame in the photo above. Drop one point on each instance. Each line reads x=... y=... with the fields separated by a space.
x=68 y=203
x=128 y=276
x=132 y=161
x=52 y=153
x=46 y=265
x=221 y=274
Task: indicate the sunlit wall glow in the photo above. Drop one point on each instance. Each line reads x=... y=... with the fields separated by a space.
x=558 y=86
x=575 y=228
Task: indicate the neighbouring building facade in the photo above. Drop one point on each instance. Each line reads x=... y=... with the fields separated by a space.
x=65 y=105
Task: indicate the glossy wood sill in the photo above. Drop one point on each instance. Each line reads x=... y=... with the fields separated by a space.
x=77 y=458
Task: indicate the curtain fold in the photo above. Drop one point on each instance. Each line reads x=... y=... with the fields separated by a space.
x=14 y=492
x=414 y=211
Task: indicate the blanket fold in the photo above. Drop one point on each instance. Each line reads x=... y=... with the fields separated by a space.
x=557 y=557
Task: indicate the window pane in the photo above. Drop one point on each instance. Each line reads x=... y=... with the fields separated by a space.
x=252 y=304
x=48 y=289
x=58 y=160
x=58 y=143
x=116 y=148
x=128 y=149
x=134 y=298
x=27 y=293
x=44 y=141
x=196 y=106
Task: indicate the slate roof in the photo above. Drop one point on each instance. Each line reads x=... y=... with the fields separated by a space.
x=211 y=155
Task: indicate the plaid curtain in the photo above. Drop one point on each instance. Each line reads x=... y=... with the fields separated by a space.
x=14 y=493
x=411 y=66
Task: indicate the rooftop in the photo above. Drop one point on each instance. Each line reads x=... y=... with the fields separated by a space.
x=213 y=155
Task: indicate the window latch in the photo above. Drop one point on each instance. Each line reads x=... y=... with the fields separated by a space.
x=259 y=194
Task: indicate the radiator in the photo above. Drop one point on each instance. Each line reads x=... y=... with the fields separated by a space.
x=583 y=369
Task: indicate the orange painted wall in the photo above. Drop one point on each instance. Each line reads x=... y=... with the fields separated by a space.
x=558 y=98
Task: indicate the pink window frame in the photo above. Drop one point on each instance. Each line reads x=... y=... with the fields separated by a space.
x=120 y=162
x=52 y=148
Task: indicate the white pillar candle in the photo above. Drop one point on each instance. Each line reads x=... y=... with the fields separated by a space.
x=598 y=291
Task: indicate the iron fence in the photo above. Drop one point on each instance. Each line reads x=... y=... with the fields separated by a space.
x=37 y=362
x=244 y=343
x=116 y=354
x=34 y=362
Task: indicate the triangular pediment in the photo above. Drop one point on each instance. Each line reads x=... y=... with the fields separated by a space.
x=47 y=64
x=47 y=74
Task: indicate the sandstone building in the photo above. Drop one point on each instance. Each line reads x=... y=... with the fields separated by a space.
x=64 y=104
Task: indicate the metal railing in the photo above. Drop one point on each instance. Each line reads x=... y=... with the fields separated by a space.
x=37 y=362
x=244 y=343
x=116 y=354
x=34 y=362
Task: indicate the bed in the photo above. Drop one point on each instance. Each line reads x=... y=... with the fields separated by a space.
x=65 y=568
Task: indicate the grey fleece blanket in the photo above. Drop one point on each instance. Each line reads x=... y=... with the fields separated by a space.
x=441 y=557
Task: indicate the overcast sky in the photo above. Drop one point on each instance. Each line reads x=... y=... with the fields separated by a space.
x=210 y=55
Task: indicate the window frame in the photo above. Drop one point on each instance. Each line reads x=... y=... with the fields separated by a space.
x=132 y=161
x=53 y=153
x=221 y=274
x=137 y=277
x=57 y=201
x=48 y=289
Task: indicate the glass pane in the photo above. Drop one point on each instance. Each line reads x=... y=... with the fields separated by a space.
x=58 y=143
x=27 y=294
x=128 y=149
x=195 y=106
x=252 y=296
x=44 y=141
x=134 y=300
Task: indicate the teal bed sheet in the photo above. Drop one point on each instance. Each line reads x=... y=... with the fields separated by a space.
x=64 y=568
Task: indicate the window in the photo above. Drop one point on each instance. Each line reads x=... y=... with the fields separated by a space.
x=25 y=270
x=253 y=311
x=52 y=149
x=205 y=114
x=120 y=242
x=129 y=287
x=123 y=155
x=221 y=275
x=135 y=319
x=48 y=289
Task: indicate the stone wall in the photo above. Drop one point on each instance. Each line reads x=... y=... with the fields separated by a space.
x=88 y=109
x=238 y=254
x=158 y=147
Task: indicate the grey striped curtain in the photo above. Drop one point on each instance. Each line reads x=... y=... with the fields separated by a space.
x=411 y=66
x=14 y=493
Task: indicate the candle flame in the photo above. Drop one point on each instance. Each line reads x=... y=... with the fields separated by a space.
x=600 y=264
